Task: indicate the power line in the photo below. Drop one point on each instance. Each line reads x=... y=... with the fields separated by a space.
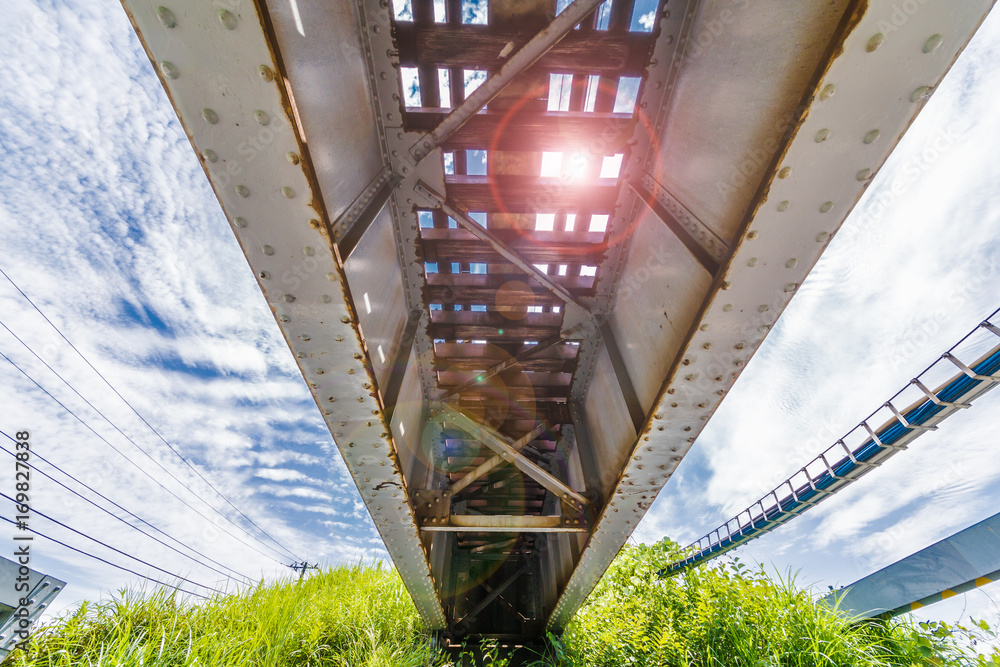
x=112 y=514
x=106 y=545
x=129 y=438
x=106 y=511
x=137 y=414
x=137 y=467
x=107 y=562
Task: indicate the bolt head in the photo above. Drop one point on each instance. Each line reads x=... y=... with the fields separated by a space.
x=168 y=19
x=920 y=93
x=877 y=40
x=227 y=19
x=169 y=70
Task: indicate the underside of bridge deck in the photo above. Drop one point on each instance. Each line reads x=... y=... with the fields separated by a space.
x=521 y=250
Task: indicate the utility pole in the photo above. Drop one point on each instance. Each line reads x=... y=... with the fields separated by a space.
x=302 y=567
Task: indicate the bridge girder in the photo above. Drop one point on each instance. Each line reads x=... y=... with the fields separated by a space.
x=756 y=129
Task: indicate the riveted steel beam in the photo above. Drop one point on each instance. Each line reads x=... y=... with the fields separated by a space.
x=278 y=215
x=809 y=172
x=524 y=58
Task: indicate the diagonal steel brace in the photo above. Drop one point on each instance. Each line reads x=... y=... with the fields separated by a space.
x=497 y=443
x=488 y=465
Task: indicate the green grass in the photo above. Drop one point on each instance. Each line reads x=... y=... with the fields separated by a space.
x=726 y=615
x=359 y=616
x=720 y=615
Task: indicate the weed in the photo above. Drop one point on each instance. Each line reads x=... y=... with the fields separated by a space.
x=718 y=615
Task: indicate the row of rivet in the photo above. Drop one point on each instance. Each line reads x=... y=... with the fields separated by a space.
x=170 y=71
x=210 y=116
x=862 y=175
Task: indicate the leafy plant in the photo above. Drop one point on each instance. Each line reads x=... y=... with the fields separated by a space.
x=720 y=615
x=727 y=614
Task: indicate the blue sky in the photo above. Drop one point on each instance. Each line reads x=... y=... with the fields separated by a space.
x=108 y=223
x=907 y=276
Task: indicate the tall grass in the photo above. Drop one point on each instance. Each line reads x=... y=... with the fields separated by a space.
x=727 y=615
x=713 y=616
x=359 y=616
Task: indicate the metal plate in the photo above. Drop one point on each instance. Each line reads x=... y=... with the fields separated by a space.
x=42 y=590
x=862 y=89
x=214 y=58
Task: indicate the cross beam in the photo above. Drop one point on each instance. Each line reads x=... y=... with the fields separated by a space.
x=496 y=369
x=497 y=443
x=502 y=523
x=574 y=309
x=525 y=57
x=488 y=465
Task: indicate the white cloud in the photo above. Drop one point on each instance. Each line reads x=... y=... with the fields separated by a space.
x=109 y=225
x=294 y=492
x=284 y=475
x=905 y=278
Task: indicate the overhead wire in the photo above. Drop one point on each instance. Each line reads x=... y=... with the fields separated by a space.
x=139 y=468
x=35 y=455
x=136 y=412
x=35 y=511
x=129 y=438
x=107 y=562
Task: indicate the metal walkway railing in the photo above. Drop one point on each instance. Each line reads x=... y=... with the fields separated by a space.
x=841 y=464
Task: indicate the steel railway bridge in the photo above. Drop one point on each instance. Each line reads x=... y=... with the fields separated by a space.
x=521 y=250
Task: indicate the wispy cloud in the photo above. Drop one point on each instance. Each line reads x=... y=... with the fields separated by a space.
x=109 y=225
x=904 y=279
